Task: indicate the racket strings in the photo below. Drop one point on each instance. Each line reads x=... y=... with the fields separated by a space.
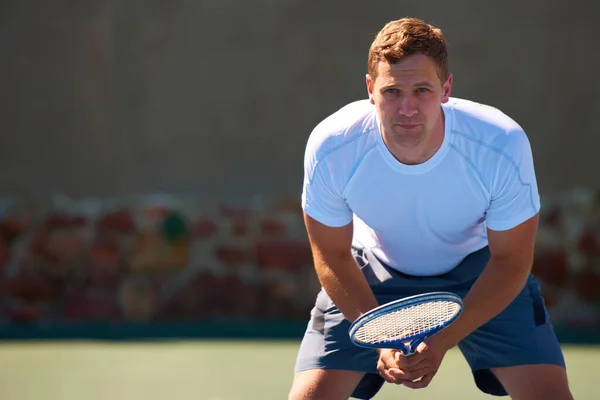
x=407 y=322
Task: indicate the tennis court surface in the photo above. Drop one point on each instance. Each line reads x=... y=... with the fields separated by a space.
x=210 y=370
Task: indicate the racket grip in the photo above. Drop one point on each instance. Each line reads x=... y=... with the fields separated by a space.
x=408 y=352
x=412 y=346
x=405 y=350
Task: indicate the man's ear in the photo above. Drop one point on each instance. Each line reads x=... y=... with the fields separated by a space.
x=447 y=89
x=370 y=83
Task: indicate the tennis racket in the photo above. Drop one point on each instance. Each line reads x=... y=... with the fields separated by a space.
x=403 y=324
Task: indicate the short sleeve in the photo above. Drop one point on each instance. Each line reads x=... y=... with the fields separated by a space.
x=514 y=194
x=321 y=199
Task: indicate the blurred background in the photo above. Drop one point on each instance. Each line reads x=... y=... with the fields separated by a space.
x=151 y=163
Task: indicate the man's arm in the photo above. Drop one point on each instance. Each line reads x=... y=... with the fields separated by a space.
x=337 y=270
x=500 y=282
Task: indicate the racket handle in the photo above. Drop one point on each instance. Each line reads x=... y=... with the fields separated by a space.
x=407 y=352
x=405 y=349
x=411 y=348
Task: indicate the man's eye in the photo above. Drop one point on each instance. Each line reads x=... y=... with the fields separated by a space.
x=391 y=90
x=422 y=90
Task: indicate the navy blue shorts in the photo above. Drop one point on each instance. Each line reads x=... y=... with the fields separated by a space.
x=519 y=335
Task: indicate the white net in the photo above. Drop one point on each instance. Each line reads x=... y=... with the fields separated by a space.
x=407 y=322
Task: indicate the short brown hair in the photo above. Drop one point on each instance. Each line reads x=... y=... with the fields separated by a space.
x=405 y=37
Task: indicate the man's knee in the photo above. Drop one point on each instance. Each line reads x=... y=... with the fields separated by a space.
x=535 y=381
x=324 y=384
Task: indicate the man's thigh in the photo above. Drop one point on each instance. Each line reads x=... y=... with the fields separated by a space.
x=326 y=346
x=534 y=382
x=521 y=335
x=315 y=384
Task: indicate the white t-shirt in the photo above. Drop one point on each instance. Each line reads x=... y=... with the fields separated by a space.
x=421 y=219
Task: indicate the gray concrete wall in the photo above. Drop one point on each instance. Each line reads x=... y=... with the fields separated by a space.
x=218 y=96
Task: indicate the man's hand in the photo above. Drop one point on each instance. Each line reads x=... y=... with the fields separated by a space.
x=387 y=365
x=415 y=371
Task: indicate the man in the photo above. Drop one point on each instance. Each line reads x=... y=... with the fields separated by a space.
x=413 y=191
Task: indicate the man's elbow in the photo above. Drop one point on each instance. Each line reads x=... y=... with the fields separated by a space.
x=516 y=269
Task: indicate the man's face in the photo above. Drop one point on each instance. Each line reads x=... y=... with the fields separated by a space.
x=408 y=95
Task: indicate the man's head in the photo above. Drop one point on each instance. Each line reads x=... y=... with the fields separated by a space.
x=407 y=81
x=405 y=37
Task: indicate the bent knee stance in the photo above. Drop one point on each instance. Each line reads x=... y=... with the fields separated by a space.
x=324 y=384
x=533 y=382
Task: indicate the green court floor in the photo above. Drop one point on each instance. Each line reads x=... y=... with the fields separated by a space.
x=211 y=370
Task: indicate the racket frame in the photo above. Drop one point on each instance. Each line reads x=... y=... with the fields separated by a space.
x=408 y=344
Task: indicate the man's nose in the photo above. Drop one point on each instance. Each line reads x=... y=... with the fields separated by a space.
x=408 y=106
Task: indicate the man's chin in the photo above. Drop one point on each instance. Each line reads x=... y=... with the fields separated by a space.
x=408 y=140
x=416 y=130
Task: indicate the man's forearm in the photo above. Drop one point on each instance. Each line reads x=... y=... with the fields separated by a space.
x=498 y=285
x=346 y=285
